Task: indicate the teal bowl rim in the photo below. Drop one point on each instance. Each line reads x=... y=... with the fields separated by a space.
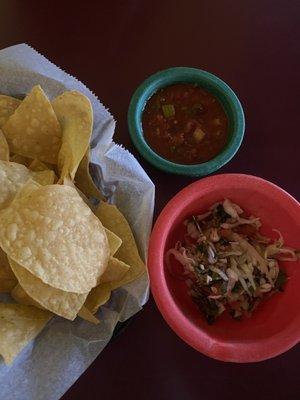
x=193 y=75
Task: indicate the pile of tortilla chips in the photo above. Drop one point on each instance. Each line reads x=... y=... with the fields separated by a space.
x=58 y=253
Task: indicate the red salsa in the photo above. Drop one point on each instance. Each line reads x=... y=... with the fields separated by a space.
x=185 y=124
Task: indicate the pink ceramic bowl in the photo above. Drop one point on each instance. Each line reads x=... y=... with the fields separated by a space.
x=275 y=325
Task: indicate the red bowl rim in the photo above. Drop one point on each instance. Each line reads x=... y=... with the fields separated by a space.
x=183 y=327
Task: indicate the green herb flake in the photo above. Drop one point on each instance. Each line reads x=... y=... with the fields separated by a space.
x=237 y=287
x=208 y=308
x=224 y=287
x=215 y=276
x=223 y=241
x=201 y=247
x=221 y=214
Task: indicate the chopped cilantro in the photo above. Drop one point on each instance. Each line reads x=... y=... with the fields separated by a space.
x=237 y=287
x=208 y=308
x=223 y=241
x=201 y=247
x=221 y=214
x=215 y=276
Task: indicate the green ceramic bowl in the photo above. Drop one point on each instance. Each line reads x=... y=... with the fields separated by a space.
x=213 y=84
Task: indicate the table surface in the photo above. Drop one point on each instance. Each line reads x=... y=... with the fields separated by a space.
x=112 y=46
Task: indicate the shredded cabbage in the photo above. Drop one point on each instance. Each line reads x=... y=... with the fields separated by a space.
x=227 y=263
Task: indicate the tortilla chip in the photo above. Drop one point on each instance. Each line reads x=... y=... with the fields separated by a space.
x=65 y=304
x=110 y=280
x=8 y=105
x=54 y=235
x=5 y=270
x=4 y=150
x=68 y=182
x=13 y=177
x=85 y=314
x=84 y=180
x=6 y=285
x=20 y=296
x=16 y=158
x=97 y=297
x=37 y=166
x=114 y=241
x=33 y=130
x=7 y=277
x=75 y=114
x=115 y=221
x=19 y=325
x=44 y=177
x=115 y=271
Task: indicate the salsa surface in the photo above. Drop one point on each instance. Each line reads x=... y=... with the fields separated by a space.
x=185 y=124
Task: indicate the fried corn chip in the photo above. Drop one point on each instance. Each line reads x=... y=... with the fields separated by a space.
x=85 y=314
x=97 y=297
x=19 y=325
x=5 y=270
x=111 y=279
x=55 y=254
x=16 y=158
x=114 y=241
x=6 y=285
x=121 y=270
x=7 y=277
x=75 y=114
x=20 y=296
x=114 y=220
x=68 y=182
x=115 y=271
x=8 y=105
x=13 y=177
x=44 y=177
x=33 y=130
x=54 y=235
x=4 y=150
x=84 y=180
x=65 y=304
x=37 y=165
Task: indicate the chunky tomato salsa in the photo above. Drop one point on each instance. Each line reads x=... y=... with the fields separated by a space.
x=185 y=124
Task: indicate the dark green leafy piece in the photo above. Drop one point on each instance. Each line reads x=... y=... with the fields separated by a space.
x=223 y=241
x=224 y=287
x=201 y=248
x=216 y=277
x=221 y=214
x=237 y=287
x=208 y=307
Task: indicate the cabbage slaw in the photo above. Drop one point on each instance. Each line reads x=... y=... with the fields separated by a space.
x=227 y=263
